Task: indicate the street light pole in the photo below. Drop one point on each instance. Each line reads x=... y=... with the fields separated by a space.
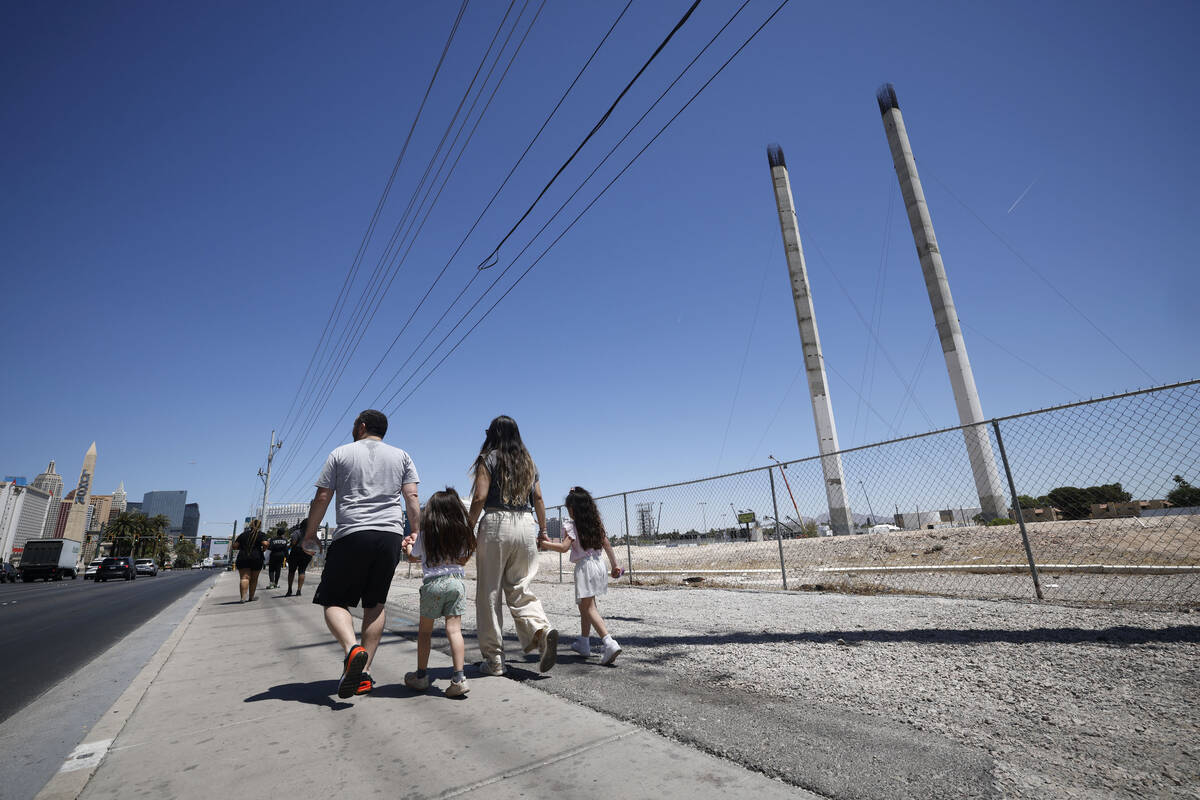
x=266 y=476
x=868 y=497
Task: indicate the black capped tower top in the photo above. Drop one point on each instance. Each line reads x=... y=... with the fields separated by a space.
x=887 y=98
x=775 y=156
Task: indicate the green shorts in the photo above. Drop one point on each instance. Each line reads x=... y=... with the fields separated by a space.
x=443 y=596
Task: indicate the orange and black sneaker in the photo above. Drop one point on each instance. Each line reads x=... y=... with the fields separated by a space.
x=352 y=672
x=365 y=684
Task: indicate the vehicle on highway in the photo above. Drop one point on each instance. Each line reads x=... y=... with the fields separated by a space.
x=49 y=559
x=117 y=567
x=90 y=571
x=8 y=572
x=146 y=566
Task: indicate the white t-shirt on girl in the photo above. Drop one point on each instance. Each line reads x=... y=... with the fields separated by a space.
x=577 y=552
x=434 y=570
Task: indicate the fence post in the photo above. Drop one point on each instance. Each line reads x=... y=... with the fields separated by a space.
x=628 y=549
x=778 y=527
x=560 y=539
x=1012 y=487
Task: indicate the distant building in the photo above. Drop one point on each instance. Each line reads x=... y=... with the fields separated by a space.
x=291 y=513
x=133 y=507
x=191 y=520
x=554 y=528
x=1133 y=508
x=50 y=481
x=171 y=505
x=64 y=512
x=101 y=505
x=1040 y=514
x=22 y=517
x=119 y=500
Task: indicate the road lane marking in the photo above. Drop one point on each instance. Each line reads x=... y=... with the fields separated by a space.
x=86 y=756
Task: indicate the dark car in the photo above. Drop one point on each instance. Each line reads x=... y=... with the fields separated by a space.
x=8 y=573
x=117 y=567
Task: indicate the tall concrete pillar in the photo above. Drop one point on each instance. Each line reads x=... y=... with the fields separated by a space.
x=814 y=362
x=954 y=348
x=77 y=517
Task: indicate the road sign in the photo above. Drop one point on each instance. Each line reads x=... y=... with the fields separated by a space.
x=745 y=518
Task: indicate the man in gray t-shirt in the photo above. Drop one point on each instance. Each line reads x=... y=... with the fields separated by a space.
x=374 y=483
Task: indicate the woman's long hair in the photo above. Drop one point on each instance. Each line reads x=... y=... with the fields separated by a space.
x=445 y=533
x=515 y=470
x=588 y=524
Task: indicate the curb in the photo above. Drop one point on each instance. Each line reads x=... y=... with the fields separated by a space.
x=83 y=761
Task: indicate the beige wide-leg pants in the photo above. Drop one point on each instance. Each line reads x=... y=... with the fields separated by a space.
x=506 y=561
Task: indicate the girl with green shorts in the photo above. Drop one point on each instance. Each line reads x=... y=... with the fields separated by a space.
x=443 y=546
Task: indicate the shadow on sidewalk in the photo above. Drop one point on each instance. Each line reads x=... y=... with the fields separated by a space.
x=316 y=693
x=1120 y=635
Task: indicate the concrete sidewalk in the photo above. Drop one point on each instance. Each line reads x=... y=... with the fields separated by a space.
x=241 y=702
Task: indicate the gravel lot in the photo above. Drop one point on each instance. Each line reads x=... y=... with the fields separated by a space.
x=894 y=696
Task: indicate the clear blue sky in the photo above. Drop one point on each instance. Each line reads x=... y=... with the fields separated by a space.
x=185 y=187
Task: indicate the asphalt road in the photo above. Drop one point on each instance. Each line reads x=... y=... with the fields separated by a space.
x=52 y=629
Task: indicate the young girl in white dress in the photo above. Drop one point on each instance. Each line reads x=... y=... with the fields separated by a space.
x=584 y=537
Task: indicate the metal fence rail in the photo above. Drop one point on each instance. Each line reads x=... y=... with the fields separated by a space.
x=1092 y=477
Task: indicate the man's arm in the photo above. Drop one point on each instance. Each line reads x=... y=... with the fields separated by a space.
x=412 y=506
x=316 y=513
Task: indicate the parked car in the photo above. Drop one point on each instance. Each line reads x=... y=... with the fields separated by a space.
x=118 y=567
x=90 y=572
x=8 y=572
x=146 y=566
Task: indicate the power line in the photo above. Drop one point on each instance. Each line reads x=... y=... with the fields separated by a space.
x=489 y=261
x=375 y=216
x=597 y=198
x=762 y=285
x=429 y=211
x=368 y=308
x=559 y=210
x=360 y=320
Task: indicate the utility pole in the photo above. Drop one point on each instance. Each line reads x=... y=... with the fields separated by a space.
x=840 y=519
x=266 y=476
x=945 y=317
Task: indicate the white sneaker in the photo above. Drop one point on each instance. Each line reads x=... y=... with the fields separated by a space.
x=494 y=667
x=611 y=651
x=582 y=646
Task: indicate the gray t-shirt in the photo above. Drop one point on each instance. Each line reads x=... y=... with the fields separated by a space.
x=494 y=500
x=367 y=476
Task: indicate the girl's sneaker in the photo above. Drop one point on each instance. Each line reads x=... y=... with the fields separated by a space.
x=458 y=688
x=611 y=651
x=582 y=646
x=414 y=681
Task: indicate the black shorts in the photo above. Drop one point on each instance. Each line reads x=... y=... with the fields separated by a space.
x=359 y=566
x=250 y=563
x=298 y=560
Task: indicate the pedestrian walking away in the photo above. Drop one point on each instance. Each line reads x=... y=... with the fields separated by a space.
x=277 y=549
x=507 y=492
x=443 y=546
x=297 y=560
x=250 y=545
x=583 y=535
x=375 y=484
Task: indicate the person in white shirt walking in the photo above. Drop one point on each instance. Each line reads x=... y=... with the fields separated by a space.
x=374 y=483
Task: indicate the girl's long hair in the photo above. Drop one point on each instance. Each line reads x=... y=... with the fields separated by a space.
x=588 y=524
x=445 y=532
x=515 y=470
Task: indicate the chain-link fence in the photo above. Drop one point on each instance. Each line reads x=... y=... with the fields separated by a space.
x=1077 y=504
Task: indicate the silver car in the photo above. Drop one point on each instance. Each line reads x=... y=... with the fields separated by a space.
x=90 y=572
x=146 y=566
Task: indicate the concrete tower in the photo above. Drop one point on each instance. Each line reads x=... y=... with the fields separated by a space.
x=77 y=516
x=50 y=481
x=814 y=362
x=954 y=348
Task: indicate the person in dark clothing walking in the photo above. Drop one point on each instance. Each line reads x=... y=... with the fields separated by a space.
x=277 y=552
x=250 y=545
x=297 y=560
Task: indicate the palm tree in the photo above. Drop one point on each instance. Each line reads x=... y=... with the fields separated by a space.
x=156 y=531
x=124 y=527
